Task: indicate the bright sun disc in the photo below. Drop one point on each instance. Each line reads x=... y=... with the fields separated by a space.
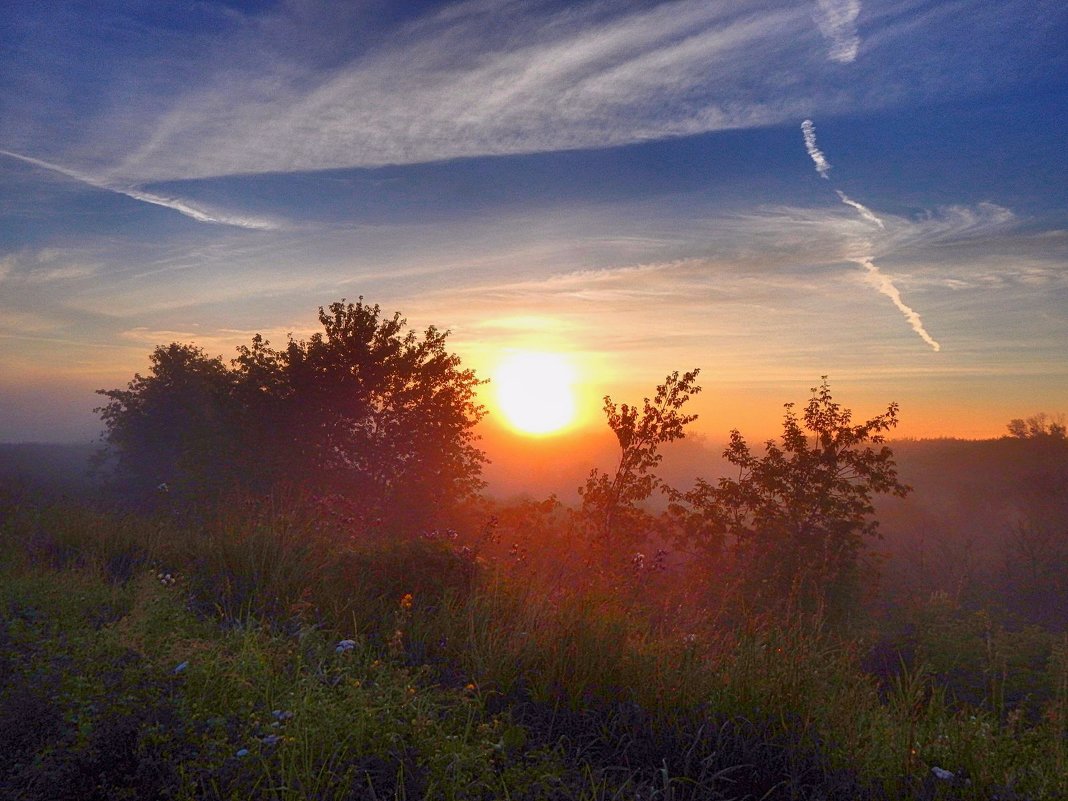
x=534 y=392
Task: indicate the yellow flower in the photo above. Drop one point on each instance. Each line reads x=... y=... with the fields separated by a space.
x=406 y=601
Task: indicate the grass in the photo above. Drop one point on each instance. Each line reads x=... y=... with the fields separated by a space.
x=464 y=680
x=145 y=699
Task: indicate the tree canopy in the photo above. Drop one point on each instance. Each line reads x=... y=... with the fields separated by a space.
x=364 y=407
x=797 y=517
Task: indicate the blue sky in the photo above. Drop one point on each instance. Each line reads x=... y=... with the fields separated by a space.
x=628 y=182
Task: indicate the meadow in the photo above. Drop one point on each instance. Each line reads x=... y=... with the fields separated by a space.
x=273 y=647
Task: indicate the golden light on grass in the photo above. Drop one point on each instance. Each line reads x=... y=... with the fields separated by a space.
x=535 y=392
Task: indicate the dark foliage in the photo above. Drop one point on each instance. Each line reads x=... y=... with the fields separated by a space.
x=697 y=754
x=798 y=517
x=132 y=737
x=363 y=408
x=987 y=527
x=611 y=504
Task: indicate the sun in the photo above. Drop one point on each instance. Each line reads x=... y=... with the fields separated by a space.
x=535 y=392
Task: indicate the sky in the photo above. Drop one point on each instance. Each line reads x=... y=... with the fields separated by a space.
x=871 y=190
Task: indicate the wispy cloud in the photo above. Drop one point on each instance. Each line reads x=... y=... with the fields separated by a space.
x=216 y=341
x=837 y=20
x=179 y=205
x=808 y=130
x=475 y=79
x=315 y=85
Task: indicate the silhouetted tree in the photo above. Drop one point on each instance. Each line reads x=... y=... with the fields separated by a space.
x=175 y=428
x=368 y=409
x=797 y=517
x=611 y=502
x=364 y=408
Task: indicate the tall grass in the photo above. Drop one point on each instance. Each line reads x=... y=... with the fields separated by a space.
x=781 y=710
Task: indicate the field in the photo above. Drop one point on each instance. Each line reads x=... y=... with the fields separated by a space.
x=270 y=650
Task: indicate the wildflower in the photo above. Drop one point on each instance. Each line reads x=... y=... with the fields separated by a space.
x=162 y=487
x=943 y=774
x=345 y=646
x=470 y=687
x=406 y=602
x=181 y=667
x=270 y=739
x=243 y=752
x=281 y=715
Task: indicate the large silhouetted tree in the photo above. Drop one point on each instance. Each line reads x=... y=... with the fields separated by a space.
x=797 y=517
x=365 y=408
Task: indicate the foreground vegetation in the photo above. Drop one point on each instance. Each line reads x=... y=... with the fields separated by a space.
x=292 y=589
x=265 y=652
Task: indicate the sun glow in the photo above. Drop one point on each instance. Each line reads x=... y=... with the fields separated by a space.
x=535 y=392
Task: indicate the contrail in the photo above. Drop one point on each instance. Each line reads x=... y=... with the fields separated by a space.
x=864 y=211
x=809 y=132
x=875 y=276
x=886 y=286
x=176 y=204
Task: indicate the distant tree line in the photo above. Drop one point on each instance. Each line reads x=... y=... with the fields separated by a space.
x=1038 y=426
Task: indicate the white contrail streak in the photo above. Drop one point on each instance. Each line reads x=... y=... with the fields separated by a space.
x=875 y=276
x=809 y=132
x=863 y=210
x=176 y=204
x=886 y=286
